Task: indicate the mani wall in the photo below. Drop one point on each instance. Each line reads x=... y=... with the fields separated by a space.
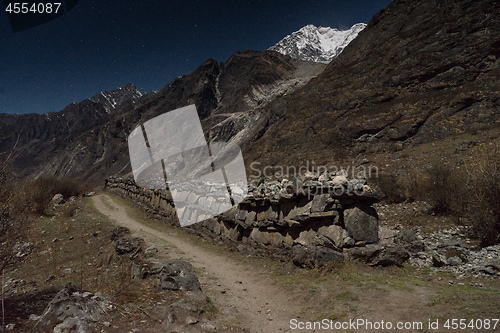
x=315 y=221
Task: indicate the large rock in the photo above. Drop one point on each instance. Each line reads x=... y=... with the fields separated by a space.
x=361 y=221
x=311 y=256
x=141 y=269
x=72 y=311
x=335 y=234
x=380 y=255
x=390 y=255
x=119 y=232
x=129 y=245
x=178 y=275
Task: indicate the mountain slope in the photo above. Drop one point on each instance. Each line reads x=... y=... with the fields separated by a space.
x=88 y=140
x=33 y=139
x=318 y=44
x=414 y=75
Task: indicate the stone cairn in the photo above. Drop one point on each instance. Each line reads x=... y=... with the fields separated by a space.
x=313 y=220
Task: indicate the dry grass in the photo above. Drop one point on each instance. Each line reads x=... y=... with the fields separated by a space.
x=469 y=189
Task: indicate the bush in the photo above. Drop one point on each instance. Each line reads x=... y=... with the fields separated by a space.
x=41 y=191
x=482 y=193
x=444 y=188
x=471 y=190
x=406 y=186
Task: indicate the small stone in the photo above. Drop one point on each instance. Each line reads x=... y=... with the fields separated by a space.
x=191 y=320
x=107 y=324
x=208 y=327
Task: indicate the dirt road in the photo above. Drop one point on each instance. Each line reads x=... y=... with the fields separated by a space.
x=244 y=291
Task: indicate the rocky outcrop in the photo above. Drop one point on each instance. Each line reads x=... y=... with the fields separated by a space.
x=73 y=311
x=312 y=221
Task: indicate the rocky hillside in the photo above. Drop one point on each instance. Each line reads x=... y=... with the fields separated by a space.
x=420 y=71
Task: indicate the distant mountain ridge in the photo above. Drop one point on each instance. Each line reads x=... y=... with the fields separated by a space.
x=115 y=98
x=318 y=44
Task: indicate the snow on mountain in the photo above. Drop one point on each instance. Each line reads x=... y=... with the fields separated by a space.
x=115 y=98
x=318 y=44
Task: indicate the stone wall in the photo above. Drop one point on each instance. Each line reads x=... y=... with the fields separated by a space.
x=318 y=220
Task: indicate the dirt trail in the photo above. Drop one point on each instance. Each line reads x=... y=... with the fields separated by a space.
x=250 y=296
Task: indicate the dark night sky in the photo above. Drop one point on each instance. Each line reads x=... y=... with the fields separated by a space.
x=102 y=44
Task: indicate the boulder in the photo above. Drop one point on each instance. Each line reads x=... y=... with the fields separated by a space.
x=311 y=256
x=365 y=253
x=319 y=203
x=119 y=232
x=57 y=200
x=73 y=311
x=128 y=245
x=405 y=236
x=361 y=221
x=141 y=269
x=339 y=181
x=325 y=255
x=390 y=255
x=335 y=234
x=178 y=275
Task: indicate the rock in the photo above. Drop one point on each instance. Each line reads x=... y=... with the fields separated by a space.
x=151 y=250
x=339 y=181
x=119 y=232
x=319 y=203
x=325 y=256
x=22 y=249
x=361 y=221
x=405 y=236
x=88 y=194
x=311 y=256
x=302 y=256
x=492 y=263
x=336 y=234
x=486 y=270
x=386 y=235
x=143 y=268
x=390 y=255
x=57 y=199
x=73 y=311
x=438 y=260
x=244 y=249
x=323 y=177
x=10 y=327
x=208 y=327
x=454 y=261
x=128 y=245
x=365 y=253
x=34 y=317
x=178 y=275
x=450 y=243
x=415 y=247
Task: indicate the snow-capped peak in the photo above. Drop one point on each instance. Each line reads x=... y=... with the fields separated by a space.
x=319 y=44
x=115 y=98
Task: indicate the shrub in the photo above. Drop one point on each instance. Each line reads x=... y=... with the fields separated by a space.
x=482 y=193
x=41 y=190
x=444 y=185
